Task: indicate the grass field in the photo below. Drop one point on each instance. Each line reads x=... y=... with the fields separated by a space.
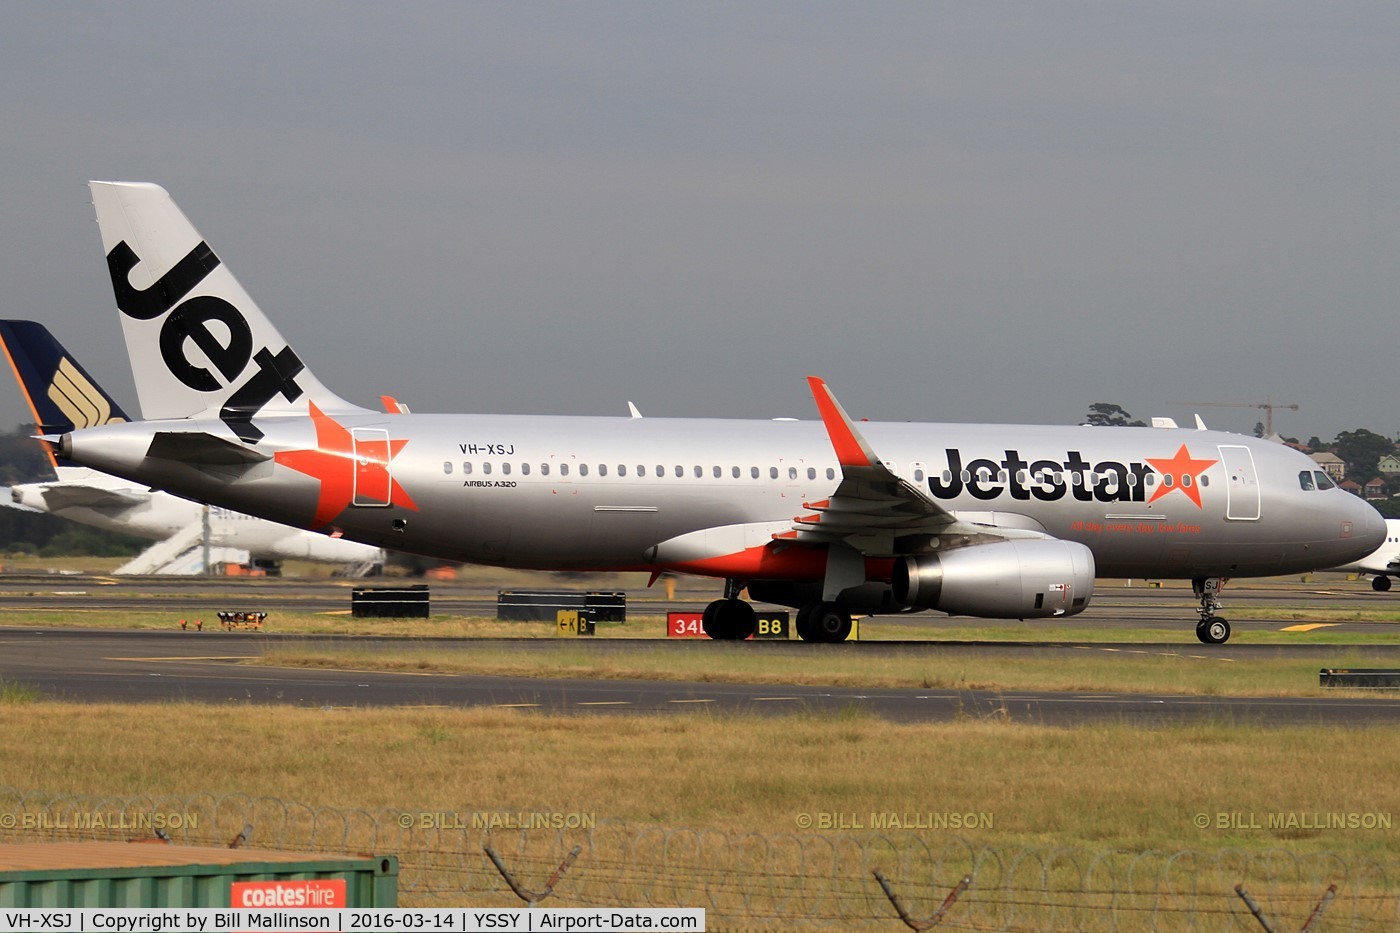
x=1115 y=785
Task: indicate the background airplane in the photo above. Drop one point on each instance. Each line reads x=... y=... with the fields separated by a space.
x=1383 y=562
x=833 y=517
x=63 y=397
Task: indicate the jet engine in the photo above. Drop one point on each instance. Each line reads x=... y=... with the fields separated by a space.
x=1015 y=579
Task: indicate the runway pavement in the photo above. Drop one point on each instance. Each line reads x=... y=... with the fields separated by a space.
x=149 y=667
x=1169 y=608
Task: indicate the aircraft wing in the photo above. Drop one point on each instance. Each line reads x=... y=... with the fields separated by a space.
x=77 y=495
x=872 y=508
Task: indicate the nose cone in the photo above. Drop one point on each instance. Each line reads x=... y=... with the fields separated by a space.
x=1368 y=527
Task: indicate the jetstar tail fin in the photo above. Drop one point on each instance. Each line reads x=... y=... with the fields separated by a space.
x=199 y=346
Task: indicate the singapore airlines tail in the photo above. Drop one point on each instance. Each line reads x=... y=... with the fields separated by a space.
x=60 y=393
x=199 y=346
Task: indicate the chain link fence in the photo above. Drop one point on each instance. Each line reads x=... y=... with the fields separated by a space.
x=756 y=880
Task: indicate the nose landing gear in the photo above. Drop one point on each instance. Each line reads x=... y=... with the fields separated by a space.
x=1212 y=629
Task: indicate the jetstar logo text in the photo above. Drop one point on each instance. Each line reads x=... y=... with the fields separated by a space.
x=1074 y=476
x=229 y=347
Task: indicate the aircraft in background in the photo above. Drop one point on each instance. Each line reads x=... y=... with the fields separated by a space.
x=63 y=397
x=1383 y=563
x=829 y=517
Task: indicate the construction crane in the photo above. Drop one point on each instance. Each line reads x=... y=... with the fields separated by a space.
x=1267 y=406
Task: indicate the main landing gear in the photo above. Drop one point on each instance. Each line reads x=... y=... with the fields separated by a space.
x=730 y=619
x=823 y=622
x=1380 y=583
x=733 y=619
x=1212 y=629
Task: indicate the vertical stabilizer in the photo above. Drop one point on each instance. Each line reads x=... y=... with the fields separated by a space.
x=199 y=346
x=60 y=393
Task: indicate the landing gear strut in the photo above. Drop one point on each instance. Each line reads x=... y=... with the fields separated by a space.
x=730 y=619
x=823 y=622
x=1212 y=629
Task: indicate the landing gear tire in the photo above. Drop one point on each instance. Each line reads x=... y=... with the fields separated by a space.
x=824 y=622
x=729 y=620
x=1213 y=631
x=1380 y=584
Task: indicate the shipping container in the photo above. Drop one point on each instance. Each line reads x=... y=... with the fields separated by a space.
x=135 y=874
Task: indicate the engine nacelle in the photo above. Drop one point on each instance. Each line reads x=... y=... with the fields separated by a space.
x=1016 y=579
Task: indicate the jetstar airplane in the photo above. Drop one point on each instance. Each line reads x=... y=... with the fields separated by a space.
x=832 y=517
x=1384 y=562
x=62 y=395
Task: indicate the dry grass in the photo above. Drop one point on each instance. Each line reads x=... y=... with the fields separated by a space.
x=1147 y=671
x=1116 y=785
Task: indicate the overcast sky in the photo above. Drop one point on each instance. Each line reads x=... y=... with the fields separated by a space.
x=952 y=212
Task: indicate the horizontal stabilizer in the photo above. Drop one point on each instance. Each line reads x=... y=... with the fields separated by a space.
x=71 y=496
x=198 y=447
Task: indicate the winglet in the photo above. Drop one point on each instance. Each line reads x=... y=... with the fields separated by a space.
x=851 y=449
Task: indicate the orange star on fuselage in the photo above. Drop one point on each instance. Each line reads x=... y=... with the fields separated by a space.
x=1183 y=464
x=334 y=463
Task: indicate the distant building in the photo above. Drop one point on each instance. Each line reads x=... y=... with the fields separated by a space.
x=1352 y=486
x=1375 y=489
x=1335 y=466
x=1389 y=465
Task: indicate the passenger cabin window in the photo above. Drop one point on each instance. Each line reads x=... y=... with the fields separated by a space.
x=524 y=469
x=772 y=472
x=583 y=469
x=563 y=469
x=660 y=470
x=447 y=467
x=831 y=473
x=753 y=472
x=505 y=468
x=699 y=471
x=735 y=472
x=602 y=469
x=466 y=468
x=680 y=471
x=544 y=469
x=1305 y=479
x=792 y=472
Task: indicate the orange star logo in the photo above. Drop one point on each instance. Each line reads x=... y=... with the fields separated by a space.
x=349 y=468
x=1182 y=473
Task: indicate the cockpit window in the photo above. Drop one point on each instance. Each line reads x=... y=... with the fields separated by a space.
x=1324 y=481
x=1305 y=479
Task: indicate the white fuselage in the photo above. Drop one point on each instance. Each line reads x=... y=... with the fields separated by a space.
x=115 y=504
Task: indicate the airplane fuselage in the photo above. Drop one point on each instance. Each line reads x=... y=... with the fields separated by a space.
x=602 y=493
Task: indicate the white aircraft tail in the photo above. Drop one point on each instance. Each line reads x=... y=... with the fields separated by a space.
x=199 y=346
